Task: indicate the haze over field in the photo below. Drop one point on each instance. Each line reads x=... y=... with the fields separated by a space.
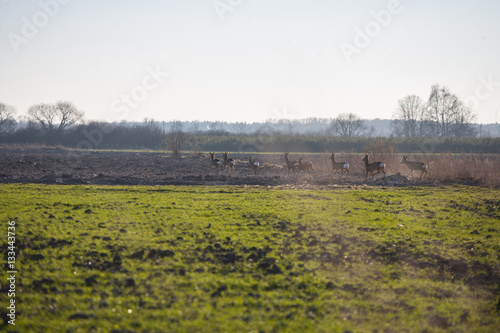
x=247 y=60
x=250 y=165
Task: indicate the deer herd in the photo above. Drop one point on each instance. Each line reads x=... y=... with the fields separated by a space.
x=297 y=166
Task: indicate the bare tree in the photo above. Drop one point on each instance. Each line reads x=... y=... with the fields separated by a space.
x=443 y=115
x=175 y=138
x=348 y=125
x=440 y=108
x=447 y=114
x=462 y=121
x=7 y=121
x=408 y=119
x=67 y=114
x=42 y=114
x=55 y=118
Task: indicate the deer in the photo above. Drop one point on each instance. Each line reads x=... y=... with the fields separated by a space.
x=342 y=166
x=291 y=165
x=307 y=166
x=420 y=166
x=216 y=163
x=228 y=162
x=253 y=165
x=372 y=167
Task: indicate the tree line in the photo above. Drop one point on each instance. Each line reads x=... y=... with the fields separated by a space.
x=442 y=119
x=322 y=143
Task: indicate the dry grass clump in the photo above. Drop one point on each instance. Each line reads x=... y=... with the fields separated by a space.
x=196 y=153
x=483 y=168
x=474 y=167
x=28 y=146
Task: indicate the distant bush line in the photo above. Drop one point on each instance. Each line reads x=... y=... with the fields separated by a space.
x=323 y=143
x=149 y=136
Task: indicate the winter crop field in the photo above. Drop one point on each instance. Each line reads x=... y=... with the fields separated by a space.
x=95 y=258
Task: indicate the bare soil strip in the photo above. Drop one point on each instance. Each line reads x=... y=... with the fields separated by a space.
x=65 y=166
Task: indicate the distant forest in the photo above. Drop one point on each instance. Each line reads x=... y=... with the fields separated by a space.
x=308 y=135
x=62 y=124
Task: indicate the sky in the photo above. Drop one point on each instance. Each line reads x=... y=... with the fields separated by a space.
x=247 y=60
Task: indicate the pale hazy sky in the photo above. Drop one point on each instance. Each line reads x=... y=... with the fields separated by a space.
x=247 y=60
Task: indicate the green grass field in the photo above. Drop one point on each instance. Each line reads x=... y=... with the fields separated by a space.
x=227 y=259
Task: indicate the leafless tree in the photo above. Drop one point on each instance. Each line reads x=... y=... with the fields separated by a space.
x=462 y=121
x=175 y=138
x=447 y=114
x=55 y=118
x=7 y=121
x=408 y=119
x=440 y=108
x=444 y=115
x=348 y=125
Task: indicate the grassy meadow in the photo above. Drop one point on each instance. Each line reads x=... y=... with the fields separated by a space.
x=253 y=259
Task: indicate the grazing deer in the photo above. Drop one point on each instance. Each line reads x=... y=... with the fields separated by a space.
x=253 y=165
x=372 y=167
x=215 y=163
x=291 y=165
x=415 y=166
x=308 y=166
x=228 y=162
x=342 y=166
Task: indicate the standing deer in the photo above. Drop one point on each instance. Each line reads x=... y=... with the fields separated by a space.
x=415 y=166
x=291 y=165
x=342 y=166
x=215 y=163
x=228 y=162
x=253 y=165
x=372 y=167
x=308 y=166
